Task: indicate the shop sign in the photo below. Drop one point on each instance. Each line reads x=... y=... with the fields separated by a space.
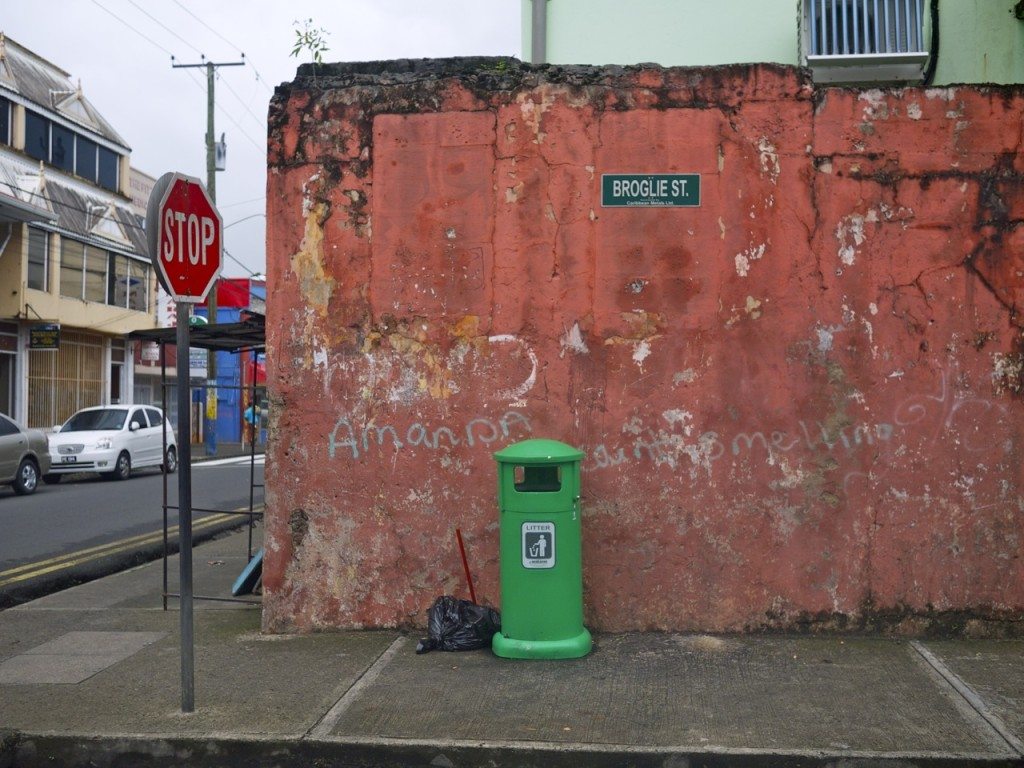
x=197 y=362
x=44 y=337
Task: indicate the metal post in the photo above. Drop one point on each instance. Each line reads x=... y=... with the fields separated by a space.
x=188 y=693
x=253 y=432
x=163 y=400
x=211 y=301
x=539 y=32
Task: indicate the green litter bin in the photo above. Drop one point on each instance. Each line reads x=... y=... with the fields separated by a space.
x=541 y=565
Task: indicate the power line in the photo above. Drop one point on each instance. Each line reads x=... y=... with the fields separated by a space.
x=259 y=77
x=224 y=112
x=228 y=254
x=259 y=122
x=153 y=42
x=155 y=19
x=133 y=29
x=241 y=202
x=242 y=130
x=255 y=215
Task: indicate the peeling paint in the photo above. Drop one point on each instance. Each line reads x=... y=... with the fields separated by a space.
x=684 y=377
x=753 y=308
x=850 y=235
x=743 y=259
x=573 y=341
x=769 y=159
x=307 y=264
x=641 y=352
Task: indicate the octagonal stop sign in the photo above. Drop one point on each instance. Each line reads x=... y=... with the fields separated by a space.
x=184 y=227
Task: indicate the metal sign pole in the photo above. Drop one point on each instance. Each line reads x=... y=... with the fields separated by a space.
x=188 y=690
x=177 y=198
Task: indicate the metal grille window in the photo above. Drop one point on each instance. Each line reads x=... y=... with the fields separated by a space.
x=62 y=381
x=864 y=27
x=865 y=40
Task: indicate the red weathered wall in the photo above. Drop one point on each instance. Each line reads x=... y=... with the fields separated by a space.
x=799 y=402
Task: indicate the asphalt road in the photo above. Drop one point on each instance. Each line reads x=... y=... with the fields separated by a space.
x=87 y=527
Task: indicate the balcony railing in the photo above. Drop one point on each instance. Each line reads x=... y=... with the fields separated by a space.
x=865 y=40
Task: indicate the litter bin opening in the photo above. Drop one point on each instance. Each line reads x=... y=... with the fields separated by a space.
x=543 y=479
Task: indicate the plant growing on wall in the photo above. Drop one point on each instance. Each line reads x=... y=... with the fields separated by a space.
x=312 y=39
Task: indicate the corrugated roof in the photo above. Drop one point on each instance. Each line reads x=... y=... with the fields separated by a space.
x=78 y=213
x=45 y=84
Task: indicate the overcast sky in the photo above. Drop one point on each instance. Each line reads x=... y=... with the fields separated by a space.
x=121 y=50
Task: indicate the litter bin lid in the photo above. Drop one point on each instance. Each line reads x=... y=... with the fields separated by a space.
x=538 y=451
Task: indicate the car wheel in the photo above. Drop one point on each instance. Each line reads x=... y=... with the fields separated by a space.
x=123 y=467
x=27 y=479
x=52 y=479
x=171 y=461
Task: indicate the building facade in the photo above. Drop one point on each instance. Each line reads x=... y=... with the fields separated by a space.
x=74 y=275
x=866 y=41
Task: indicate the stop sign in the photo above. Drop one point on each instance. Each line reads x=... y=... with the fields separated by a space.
x=184 y=232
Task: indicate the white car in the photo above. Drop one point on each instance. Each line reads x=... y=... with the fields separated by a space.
x=111 y=440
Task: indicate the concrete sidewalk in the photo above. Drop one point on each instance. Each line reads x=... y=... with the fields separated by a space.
x=90 y=676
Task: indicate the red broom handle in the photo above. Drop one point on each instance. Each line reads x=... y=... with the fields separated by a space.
x=465 y=565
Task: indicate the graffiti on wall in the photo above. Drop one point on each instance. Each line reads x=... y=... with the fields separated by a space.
x=676 y=443
x=670 y=446
x=358 y=441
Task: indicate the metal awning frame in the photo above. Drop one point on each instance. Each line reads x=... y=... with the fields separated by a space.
x=247 y=335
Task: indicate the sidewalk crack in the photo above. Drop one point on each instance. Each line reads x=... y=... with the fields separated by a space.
x=322 y=728
x=970 y=697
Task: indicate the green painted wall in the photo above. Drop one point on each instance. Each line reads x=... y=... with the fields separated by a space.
x=981 y=40
x=669 y=32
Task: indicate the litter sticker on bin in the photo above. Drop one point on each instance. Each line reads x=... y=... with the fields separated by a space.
x=538 y=545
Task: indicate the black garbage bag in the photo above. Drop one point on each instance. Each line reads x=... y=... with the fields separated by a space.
x=459 y=625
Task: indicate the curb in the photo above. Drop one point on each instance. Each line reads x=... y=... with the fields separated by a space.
x=29 y=751
x=106 y=566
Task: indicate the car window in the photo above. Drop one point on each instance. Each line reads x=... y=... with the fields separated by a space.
x=154 y=417
x=7 y=427
x=100 y=419
x=140 y=416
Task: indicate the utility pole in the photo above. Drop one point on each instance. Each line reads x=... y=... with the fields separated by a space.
x=210 y=431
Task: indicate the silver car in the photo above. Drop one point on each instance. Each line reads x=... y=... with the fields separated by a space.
x=24 y=456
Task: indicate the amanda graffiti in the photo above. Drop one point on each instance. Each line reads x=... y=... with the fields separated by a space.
x=346 y=436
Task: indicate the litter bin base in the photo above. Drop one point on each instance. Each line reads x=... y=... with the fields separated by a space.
x=570 y=648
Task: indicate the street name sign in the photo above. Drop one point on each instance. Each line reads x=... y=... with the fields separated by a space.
x=184 y=229
x=650 y=190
